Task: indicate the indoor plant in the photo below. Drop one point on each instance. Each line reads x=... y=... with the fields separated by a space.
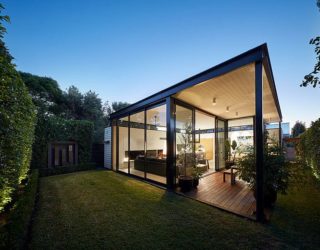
x=228 y=146
x=196 y=174
x=186 y=158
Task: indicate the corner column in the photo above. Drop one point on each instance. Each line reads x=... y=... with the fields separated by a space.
x=259 y=141
x=170 y=109
x=280 y=135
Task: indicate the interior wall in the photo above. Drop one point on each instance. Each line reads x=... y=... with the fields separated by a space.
x=156 y=139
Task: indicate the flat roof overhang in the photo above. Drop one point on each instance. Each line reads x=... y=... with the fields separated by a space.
x=258 y=54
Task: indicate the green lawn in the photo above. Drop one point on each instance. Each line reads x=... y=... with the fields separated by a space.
x=102 y=209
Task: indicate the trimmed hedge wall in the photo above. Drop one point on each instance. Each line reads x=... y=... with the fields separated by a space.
x=17 y=121
x=57 y=129
x=14 y=234
x=309 y=147
x=67 y=169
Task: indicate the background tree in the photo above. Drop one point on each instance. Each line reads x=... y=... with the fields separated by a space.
x=298 y=128
x=73 y=99
x=45 y=92
x=92 y=111
x=312 y=78
x=114 y=107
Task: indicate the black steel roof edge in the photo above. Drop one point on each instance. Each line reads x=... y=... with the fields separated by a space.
x=252 y=55
x=273 y=85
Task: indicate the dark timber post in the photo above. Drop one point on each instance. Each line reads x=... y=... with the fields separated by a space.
x=259 y=140
x=280 y=135
x=170 y=143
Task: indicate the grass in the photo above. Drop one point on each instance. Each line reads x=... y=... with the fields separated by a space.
x=102 y=209
x=296 y=218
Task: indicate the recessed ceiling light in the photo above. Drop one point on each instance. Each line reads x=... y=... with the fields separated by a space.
x=214 y=101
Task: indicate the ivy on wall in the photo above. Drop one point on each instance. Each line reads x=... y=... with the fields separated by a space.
x=54 y=128
x=309 y=147
x=17 y=121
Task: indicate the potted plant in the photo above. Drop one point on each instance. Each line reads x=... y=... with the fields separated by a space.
x=276 y=171
x=234 y=147
x=186 y=158
x=228 y=146
x=196 y=175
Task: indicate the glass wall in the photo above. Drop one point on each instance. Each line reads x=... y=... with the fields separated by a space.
x=204 y=141
x=273 y=130
x=184 y=141
x=156 y=151
x=123 y=148
x=221 y=141
x=137 y=144
x=240 y=131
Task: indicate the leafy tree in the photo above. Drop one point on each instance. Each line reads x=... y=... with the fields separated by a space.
x=74 y=100
x=92 y=107
x=312 y=78
x=3 y=49
x=46 y=93
x=114 y=107
x=92 y=111
x=298 y=128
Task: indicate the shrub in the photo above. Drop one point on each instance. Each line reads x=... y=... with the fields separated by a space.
x=276 y=171
x=14 y=234
x=17 y=120
x=308 y=148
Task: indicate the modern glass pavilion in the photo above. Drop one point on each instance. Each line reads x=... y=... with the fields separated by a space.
x=235 y=100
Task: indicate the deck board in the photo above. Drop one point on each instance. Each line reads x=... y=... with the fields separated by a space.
x=236 y=198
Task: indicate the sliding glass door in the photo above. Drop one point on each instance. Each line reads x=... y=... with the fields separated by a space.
x=205 y=142
x=220 y=144
x=156 y=150
x=184 y=128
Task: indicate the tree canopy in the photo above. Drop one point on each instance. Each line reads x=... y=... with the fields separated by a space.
x=298 y=128
x=69 y=104
x=312 y=78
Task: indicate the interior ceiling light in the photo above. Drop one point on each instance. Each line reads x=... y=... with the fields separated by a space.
x=214 y=101
x=227 y=110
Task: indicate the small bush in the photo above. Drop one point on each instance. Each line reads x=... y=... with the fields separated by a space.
x=13 y=234
x=66 y=169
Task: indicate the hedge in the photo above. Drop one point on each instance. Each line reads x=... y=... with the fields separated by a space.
x=14 y=234
x=309 y=147
x=53 y=128
x=17 y=121
x=67 y=169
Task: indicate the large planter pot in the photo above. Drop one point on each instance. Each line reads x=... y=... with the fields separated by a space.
x=270 y=197
x=185 y=183
x=195 y=183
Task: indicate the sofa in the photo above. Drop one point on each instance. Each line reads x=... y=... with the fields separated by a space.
x=151 y=165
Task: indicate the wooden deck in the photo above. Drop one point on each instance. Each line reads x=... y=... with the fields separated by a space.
x=237 y=198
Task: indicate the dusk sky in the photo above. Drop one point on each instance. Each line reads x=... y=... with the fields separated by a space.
x=127 y=50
